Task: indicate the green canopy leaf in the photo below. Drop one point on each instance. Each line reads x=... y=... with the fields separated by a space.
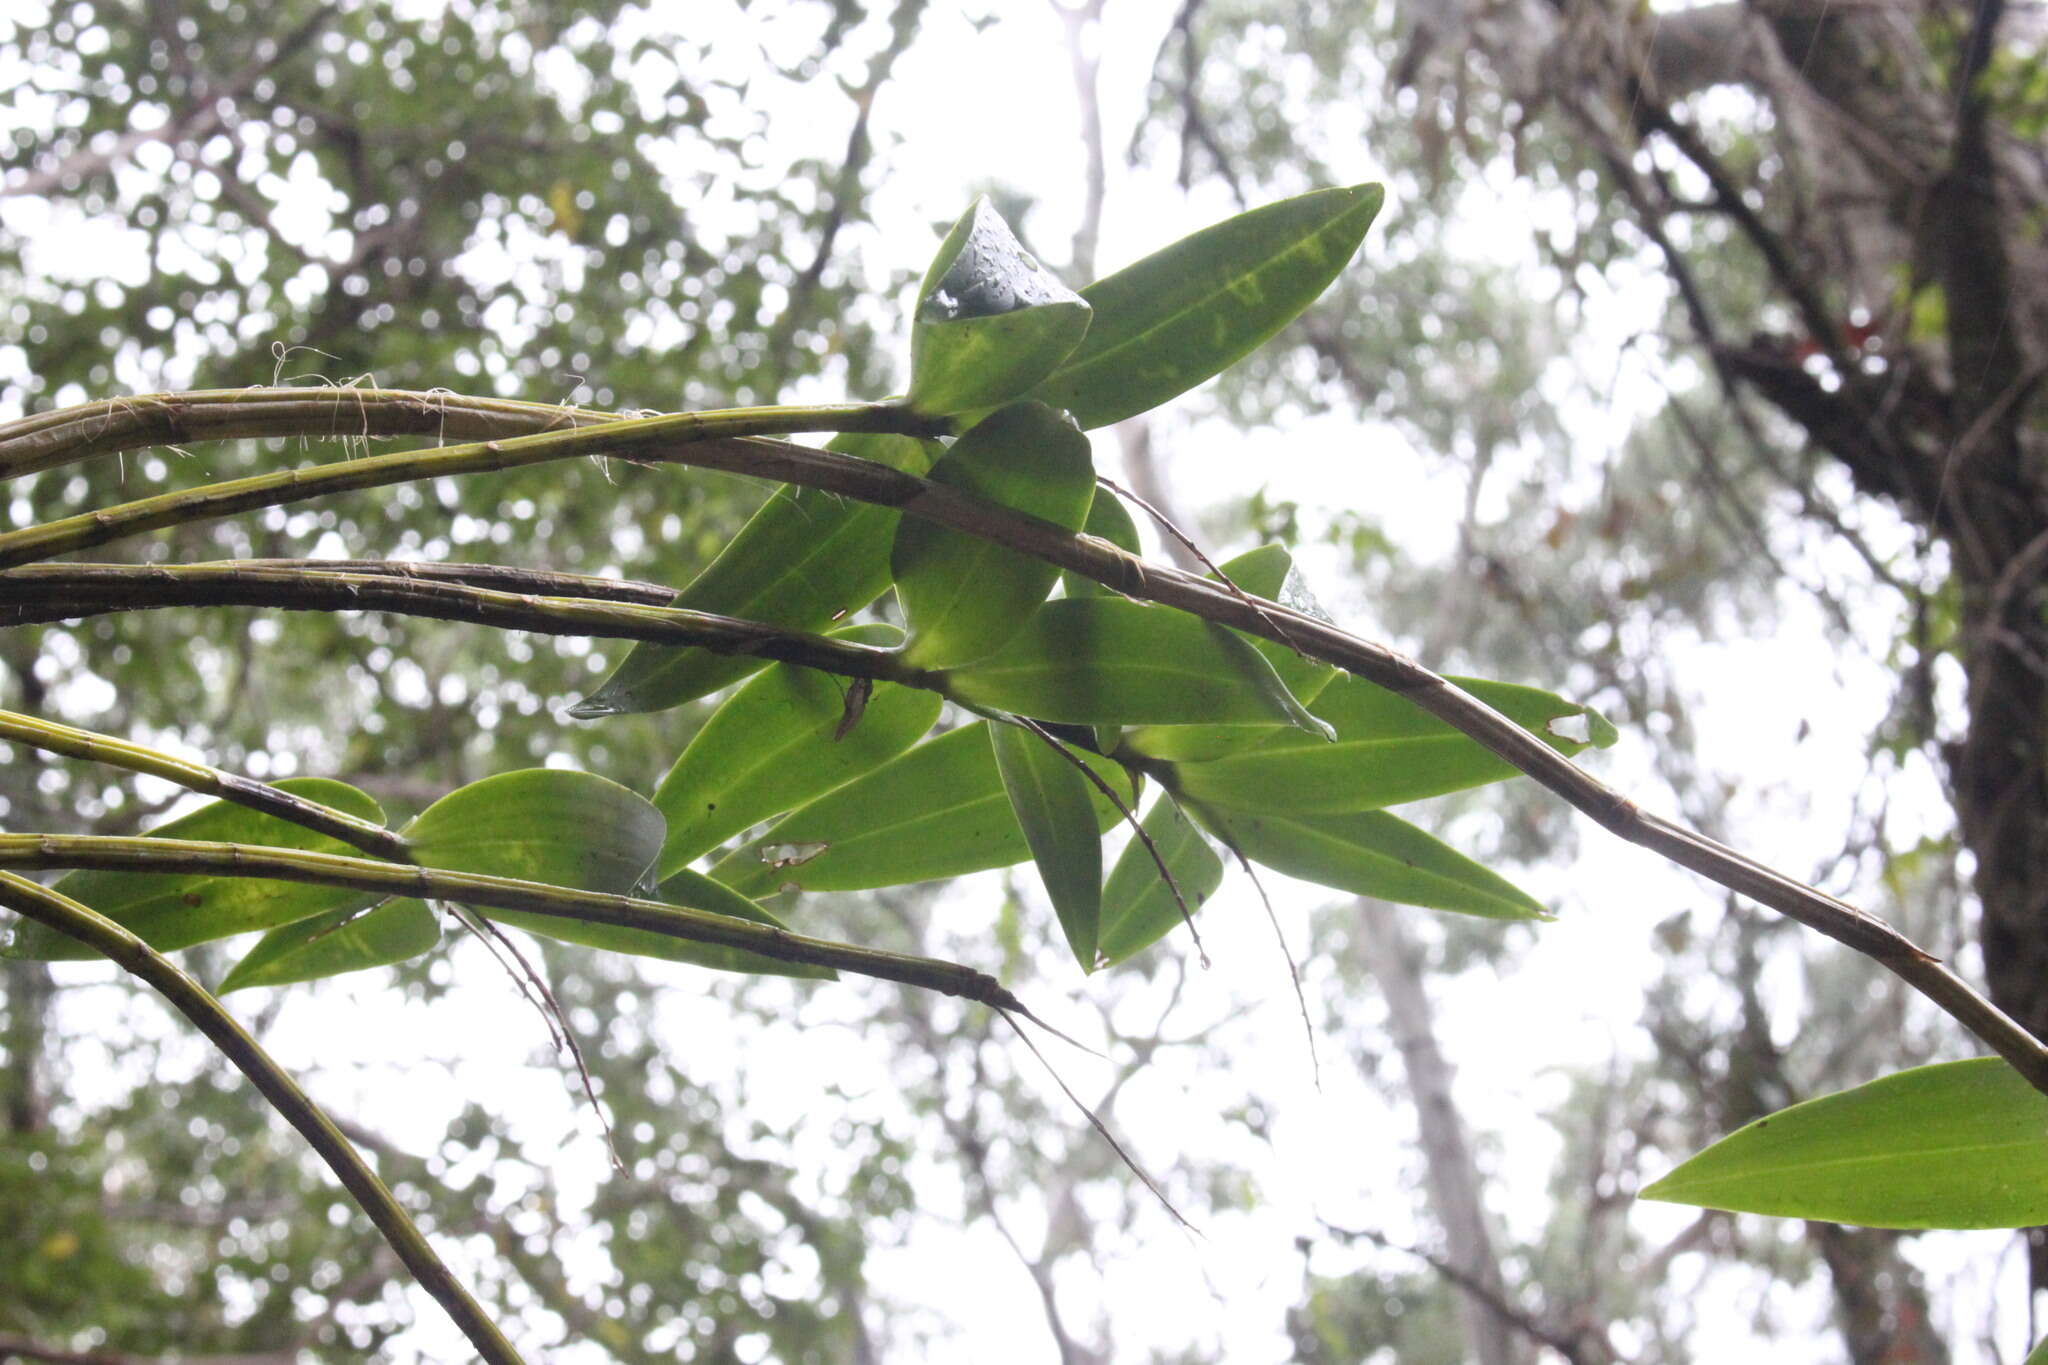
x=170 y=911
x=338 y=942
x=963 y=595
x=1955 y=1145
x=1051 y=800
x=1190 y=311
x=991 y=321
x=805 y=560
x=1138 y=907
x=776 y=743
x=939 y=810
x=1388 y=751
x=1096 y=660
x=1371 y=854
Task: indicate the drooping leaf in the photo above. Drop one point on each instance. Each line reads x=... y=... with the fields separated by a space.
x=937 y=811
x=1108 y=660
x=1954 y=1145
x=963 y=595
x=338 y=942
x=1110 y=520
x=170 y=911
x=549 y=825
x=803 y=561
x=775 y=744
x=991 y=321
x=1138 y=907
x=1050 y=798
x=1388 y=751
x=1188 y=312
x=1371 y=854
x=1266 y=572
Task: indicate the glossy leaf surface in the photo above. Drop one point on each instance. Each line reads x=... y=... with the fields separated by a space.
x=1955 y=1145
x=776 y=744
x=1266 y=572
x=1050 y=799
x=991 y=321
x=1108 y=660
x=336 y=943
x=962 y=595
x=805 y=559
x=1388 y=751
x=938 y=811
x=1372 y=854
x=1186 y=313
x=174 y=911
x=1138 y=907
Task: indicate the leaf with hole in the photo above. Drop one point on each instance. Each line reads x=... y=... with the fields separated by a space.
x=1373 y=854
x=963 y=596
x=1388 y=750
x=171 y=910
x=338 y=942
x=1107 y=660
x=1138 y=907
x=776 y=744
x=1193 y=309
x=1954 y=1145
x=1051 y=800
x=991 y=321
x=805 y=560
x=939 y=810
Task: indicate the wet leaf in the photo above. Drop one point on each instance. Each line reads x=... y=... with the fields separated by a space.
x=804 y=560
x=991 y=321
x=1190 y=311
x=1051 y=800
x=1955 y=1145
x=170 y=911
x=964 y=596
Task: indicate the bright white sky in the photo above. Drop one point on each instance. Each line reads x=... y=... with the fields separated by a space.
x=965 y=101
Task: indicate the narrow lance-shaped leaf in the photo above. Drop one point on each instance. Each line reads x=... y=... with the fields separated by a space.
x=1190 y=311
x=1371 y=854
x=805 y=560
x=780 y=741
x=341 y=941
x=1050 y=798
x=170 y=911
x=1266 y=572
x=1138 y=906
x=1388 y=751
x=939 y=810
x=962 y=595
x=1955 y=1145
x=991 y=321
x=1106 y=660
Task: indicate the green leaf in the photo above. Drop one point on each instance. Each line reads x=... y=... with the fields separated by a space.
x=938 y=811
x=692 y=890
x=1190 y=311
x=1110 y=520
x=2039 y=1355
x=1955 y=1145
x=170 y=911
x=1388 y=751
x=776 y=744
x=991 y=321
x=1107 y=660
x=1371 y=854
x=804 y=560
x=1266 y=572
x=964 y=596
x=1050 y=798
x=1138 y=907
x=548 y=825
x=341 y=941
